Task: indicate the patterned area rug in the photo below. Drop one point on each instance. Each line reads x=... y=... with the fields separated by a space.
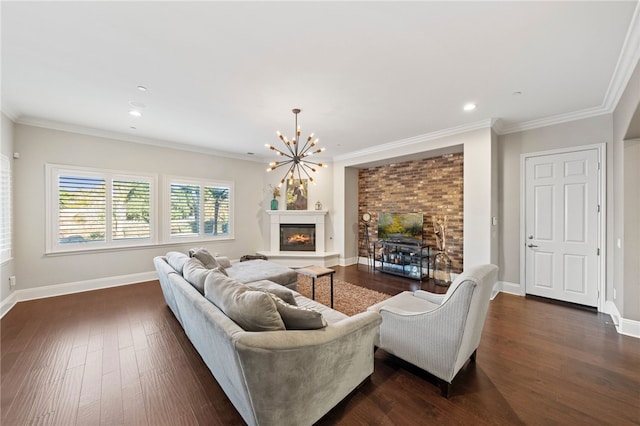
x=348 y=298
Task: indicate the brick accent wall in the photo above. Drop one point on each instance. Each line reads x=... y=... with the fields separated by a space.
x=433 y=186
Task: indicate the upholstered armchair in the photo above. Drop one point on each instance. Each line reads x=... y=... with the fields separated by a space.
x=438 y=332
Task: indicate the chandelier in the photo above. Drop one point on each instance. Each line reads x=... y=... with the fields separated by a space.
x=296 y=155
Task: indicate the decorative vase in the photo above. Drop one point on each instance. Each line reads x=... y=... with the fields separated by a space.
x=442 y=269
x=274 y=204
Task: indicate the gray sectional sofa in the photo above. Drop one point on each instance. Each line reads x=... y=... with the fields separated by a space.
x=281 y=377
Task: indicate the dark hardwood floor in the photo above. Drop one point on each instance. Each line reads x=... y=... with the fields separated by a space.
x=118 y=356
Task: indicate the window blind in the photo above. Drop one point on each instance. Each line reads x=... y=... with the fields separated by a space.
x=131 y=210
x=185 y=209
x=82 y=209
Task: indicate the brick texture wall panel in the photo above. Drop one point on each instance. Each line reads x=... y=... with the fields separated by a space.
x=432 y=186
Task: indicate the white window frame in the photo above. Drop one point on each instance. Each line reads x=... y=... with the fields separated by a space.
x=6 y=213
x=54 y=171
x=166 y=223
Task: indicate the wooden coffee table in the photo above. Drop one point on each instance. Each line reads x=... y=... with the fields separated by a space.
x=317 y=272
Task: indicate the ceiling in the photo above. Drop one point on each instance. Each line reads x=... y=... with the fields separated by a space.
x=224 y=76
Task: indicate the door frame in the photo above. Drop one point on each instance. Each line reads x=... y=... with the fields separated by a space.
x=602 y=222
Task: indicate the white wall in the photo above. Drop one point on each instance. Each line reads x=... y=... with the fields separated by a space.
x=6 y=147
x=320 y=190
x=38 y=146
x=632 y=228
x=627 y=286
x=510 y=147
x=478 y=199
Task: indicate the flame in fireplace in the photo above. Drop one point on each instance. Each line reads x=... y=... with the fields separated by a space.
x=299 y=239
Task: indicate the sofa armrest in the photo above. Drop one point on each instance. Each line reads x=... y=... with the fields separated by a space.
x=285 y=370
x=430 y=297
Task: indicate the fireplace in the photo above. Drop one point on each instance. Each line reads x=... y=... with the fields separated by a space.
x=297 y=237
x=313 y=224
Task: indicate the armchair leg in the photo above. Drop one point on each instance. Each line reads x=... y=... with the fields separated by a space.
x=444 y=388
x=473 y=356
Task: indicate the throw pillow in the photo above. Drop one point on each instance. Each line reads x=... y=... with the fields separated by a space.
x=176 y=260
x=203 y=255
x=297 y=317
x=223 y=261
x=195 y=273
x=282 y=293
x=252 y=310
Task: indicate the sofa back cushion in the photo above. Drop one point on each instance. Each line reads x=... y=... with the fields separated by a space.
x=203 y=255
x=176 y=260
x=251 y=309
x=196 y=273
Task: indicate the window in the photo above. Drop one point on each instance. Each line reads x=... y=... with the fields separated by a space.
x=5 y=210
x=98 y=209
x=200 y=209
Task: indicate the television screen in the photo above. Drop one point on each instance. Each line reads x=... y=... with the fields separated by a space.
x=401 y=227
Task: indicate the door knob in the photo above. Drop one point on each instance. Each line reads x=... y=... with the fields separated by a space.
x=530 y=236
x=531 y=245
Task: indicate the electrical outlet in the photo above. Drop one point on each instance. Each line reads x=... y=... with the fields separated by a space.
x=12 y=280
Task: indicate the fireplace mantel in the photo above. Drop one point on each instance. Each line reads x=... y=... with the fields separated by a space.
x=297 y=258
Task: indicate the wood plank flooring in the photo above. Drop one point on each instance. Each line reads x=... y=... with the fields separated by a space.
x=118 y=356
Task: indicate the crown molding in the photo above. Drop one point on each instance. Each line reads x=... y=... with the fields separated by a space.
x=414 y=140
x=10 y=114
x=552 y=120
x=627 y=62
x=89 y=131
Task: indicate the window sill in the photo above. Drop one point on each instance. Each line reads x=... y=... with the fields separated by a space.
x=190 y=242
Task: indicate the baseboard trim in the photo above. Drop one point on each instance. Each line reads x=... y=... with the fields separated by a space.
x=73 y=287
x=511 y=288
x=8 y=303
x=623 y=326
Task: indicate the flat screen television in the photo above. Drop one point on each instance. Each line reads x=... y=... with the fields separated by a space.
x=401 y=227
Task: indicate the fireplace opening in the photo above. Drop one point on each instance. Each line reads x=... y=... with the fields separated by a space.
x=297 y=237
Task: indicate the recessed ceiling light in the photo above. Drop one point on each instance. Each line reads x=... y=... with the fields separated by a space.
x=517 y=93
x=137 y=104
x=142 y=88
x=469 y=107
x=135 y=113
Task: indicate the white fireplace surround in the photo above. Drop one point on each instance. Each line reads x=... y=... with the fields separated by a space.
x=296 y=217
x=299 y=258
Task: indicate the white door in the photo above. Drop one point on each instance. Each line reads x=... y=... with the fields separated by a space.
x=561 y=226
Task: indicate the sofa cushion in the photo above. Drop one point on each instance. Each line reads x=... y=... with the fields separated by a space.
x=176 y=260
x=196 y=273
x=255 y=270
x=203 y=255
x=252 y=310
x=297 y=317
x=282 y=292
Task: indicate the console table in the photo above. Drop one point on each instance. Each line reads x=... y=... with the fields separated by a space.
x=403 y=259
